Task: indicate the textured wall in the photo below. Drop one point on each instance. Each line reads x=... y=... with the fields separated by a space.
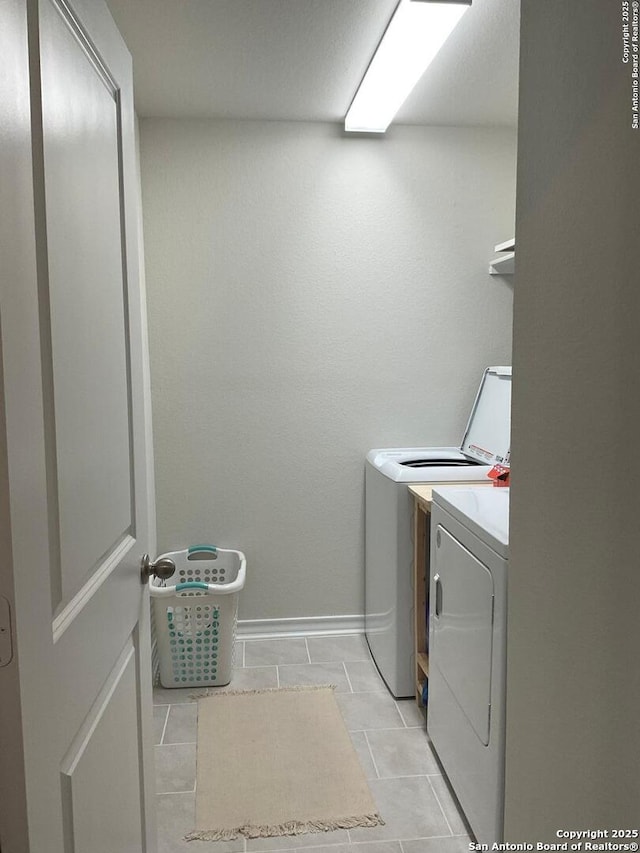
x=311 y=297
x=573 y=738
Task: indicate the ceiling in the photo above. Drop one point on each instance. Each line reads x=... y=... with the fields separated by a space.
x=302 y=60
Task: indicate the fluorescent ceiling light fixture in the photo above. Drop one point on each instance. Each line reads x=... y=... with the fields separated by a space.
x=415 y=34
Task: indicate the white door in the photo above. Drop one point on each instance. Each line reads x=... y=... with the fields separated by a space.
x=75 y=516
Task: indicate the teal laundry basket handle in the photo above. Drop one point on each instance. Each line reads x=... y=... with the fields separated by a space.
x=202 y=549
x=192 y=585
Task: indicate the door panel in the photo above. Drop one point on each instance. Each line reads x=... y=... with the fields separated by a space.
x=86 y=299
x=74 y=490
x=98 y=755
x=461 y=642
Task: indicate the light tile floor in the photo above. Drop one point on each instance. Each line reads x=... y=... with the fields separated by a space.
x=389 y=736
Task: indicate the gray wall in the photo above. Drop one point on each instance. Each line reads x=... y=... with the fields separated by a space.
x=573 y=732
x=311 y=297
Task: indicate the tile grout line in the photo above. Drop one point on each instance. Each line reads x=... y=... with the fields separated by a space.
x=381 y=692
x=395 y=705
x=356 y=692
x=173 y=793
x=431 y=838
x=440 y=804
x=385 y=729
x=375 y=766
x=371 y=728
x=400 y=712
x=164 y=728
x=358 y=843
x=411 y=775
x=344 y=666
x=321 y=843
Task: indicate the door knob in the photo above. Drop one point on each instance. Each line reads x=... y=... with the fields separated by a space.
x=162 y=568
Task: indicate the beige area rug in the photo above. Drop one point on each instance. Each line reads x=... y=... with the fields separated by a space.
x=277 y=762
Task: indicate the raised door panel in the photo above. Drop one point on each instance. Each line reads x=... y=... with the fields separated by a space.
x=83 y=296
x=461 y=615
x=100 y=775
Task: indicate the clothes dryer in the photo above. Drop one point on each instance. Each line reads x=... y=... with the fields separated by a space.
x=467 y=649
x=388 y=513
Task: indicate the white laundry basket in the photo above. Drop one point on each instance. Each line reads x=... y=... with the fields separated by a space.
x=196 y=617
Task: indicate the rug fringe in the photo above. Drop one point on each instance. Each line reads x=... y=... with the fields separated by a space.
x=221 y=691
x=293 y=827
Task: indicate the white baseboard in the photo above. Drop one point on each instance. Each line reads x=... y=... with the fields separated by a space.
x=264 y=629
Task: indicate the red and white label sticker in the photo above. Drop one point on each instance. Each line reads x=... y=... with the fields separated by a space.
x=481 y=452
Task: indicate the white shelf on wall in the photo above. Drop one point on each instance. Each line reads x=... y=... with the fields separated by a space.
x=507 y=246
x=506 y=263
x=503 y=266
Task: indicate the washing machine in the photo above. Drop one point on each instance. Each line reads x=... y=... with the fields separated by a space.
x=467 y=649
x=388 y=518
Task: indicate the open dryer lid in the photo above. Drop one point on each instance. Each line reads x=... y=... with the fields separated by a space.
x=488 y=435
